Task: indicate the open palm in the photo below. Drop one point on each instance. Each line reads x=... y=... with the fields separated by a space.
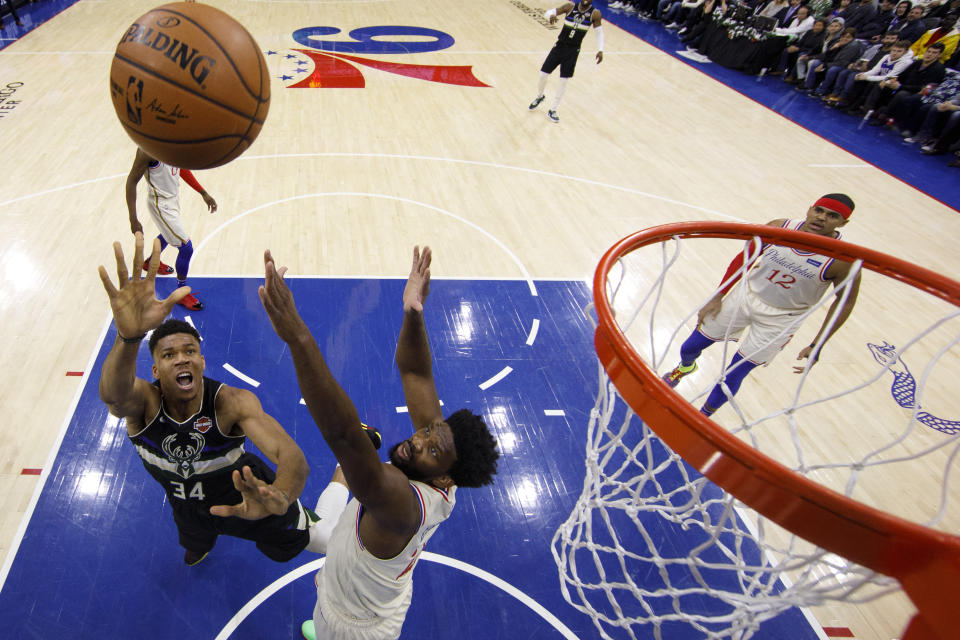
x=133 y=301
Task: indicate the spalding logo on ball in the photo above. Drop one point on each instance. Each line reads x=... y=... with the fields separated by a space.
x=190 y=85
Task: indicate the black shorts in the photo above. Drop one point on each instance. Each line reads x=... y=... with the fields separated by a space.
x=277 y=537
x=563 y=57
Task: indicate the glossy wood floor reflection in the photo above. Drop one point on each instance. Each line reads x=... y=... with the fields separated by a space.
x=343 y=182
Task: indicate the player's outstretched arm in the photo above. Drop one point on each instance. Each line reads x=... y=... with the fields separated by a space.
x=413 y=348
x=243 y=408
x=332 y=410
x=136 y=310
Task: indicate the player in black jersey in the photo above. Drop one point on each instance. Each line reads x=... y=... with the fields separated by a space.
x=579 y=17
x=190 y=430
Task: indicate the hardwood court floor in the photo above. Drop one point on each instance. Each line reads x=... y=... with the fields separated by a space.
x=345 y=181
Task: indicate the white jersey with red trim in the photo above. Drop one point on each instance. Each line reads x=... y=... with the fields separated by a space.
x=789 y=278
x=163 y=181
x=357 y=589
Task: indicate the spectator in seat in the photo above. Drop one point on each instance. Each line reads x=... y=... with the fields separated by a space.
x=920 y=73
x=946 y=33
x=844 y=51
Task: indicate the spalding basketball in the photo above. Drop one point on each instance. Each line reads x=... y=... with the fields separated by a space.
x=190 y=85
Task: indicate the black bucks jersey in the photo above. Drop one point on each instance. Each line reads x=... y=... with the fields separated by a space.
x=193 y=460
x=575 y=26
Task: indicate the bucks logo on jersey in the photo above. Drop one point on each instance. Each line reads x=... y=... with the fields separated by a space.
x=183 y=449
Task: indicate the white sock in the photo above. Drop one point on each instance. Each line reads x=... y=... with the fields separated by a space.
x=542 y=83
x=330 y=505
x=560 y=89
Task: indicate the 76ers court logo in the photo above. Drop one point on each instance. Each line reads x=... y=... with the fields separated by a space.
x=331 y=64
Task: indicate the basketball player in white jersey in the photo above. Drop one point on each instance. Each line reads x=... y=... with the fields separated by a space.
x=364 y=587
x=579 y=18
x=781 y=285
x=163 y=203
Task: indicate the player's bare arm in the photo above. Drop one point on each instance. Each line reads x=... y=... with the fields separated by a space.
x=141 y=162
x=413 y=348
x=562 y=10
x=837 y=273
x=242 y=408
x=383 y=490
x=136 y=310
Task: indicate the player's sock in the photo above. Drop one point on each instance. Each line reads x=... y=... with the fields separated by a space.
x=163 y=245
x=184 y=253
x=692 y=347
x=330 y=505
x=542 y=83
x=738 y=370
x=561 y=87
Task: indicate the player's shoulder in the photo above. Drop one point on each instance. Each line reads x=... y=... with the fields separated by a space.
x=236 y=401
x=779 y=222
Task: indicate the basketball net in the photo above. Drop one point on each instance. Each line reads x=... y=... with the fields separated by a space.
x=651 y=544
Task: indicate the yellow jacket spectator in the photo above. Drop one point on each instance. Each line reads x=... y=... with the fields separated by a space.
x=945 y=33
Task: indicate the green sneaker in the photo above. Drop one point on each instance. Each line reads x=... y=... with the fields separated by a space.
x=673 y=378
x=308 y=631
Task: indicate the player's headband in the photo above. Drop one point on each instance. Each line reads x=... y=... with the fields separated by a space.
x=834 y=205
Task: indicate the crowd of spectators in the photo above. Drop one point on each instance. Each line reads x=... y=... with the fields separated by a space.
x=893 y=64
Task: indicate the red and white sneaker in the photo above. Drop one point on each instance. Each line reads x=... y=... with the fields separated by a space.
x=190 y=302
x=164 y=270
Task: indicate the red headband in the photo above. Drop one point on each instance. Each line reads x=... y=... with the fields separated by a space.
x=834 y=205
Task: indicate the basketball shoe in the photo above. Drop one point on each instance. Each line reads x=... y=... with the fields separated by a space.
x=553 y=115
x=194 y=557
x=164 y=270
x=673 y=378
x=190 y=302
x=536 y=103
x=308 y=631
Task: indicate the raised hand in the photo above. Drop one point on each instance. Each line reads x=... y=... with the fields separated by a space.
x=278 y=302
x=418 y=283
x=133 y=301
x=259 y=498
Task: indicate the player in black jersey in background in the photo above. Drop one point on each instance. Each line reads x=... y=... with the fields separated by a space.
x=579 y=18
x=190 y=430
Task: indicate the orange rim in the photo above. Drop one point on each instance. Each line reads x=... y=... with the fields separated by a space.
x=925 y=561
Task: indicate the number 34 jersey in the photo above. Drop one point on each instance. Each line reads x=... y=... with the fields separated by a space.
x=790 y=278
x=192 y=456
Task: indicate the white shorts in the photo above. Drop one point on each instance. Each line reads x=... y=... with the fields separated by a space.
x=333 y=625
x=771 y=328
x=166 y=215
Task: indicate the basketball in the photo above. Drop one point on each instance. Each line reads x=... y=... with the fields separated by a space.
x=190 y=85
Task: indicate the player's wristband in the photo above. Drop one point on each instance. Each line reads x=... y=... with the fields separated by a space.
x=599 y=31
x=549 y=13
x=133 y=340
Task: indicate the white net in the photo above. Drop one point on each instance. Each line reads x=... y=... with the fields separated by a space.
x=654 y=549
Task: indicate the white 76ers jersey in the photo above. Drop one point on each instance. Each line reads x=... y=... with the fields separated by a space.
x=164 y=182
x=362 y=587
x=789 y=278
